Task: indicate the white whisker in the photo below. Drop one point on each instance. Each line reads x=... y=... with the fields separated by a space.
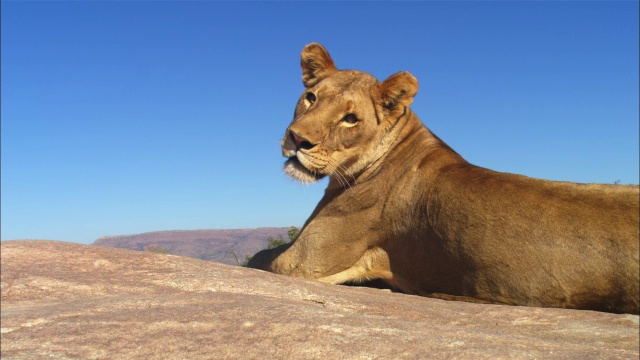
x=339 y=173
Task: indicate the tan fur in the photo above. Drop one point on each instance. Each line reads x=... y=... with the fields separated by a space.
x=403 y=207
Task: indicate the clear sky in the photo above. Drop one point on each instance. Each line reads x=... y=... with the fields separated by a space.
x=128 y=117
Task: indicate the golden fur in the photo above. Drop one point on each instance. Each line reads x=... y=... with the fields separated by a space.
x=403 y=207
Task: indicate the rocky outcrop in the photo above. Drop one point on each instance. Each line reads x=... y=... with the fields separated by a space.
x=63 y=300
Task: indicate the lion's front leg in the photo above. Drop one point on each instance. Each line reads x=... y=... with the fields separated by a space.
x=374 y=264
x=315 y=255
x=265 y=259
x=288 y=260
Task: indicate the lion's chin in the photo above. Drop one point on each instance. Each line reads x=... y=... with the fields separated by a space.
x=297 y=171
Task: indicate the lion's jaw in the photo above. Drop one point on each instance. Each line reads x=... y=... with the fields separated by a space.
x=294 y=168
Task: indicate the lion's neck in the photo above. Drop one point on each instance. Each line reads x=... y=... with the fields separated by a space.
x=408 y=141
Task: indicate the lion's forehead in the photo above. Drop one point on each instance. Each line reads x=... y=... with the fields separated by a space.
x=347 y=82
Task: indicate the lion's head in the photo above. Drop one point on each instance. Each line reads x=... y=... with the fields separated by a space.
x=341 y=119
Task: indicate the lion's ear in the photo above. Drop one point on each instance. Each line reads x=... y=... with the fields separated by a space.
x=316 y=64
x=398 y=90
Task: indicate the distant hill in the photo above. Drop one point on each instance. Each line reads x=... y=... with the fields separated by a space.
x=224 y=246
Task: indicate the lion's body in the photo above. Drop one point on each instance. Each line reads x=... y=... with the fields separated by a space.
x=404 y=207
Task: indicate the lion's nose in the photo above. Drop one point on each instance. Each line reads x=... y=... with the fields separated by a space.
x=301 y=142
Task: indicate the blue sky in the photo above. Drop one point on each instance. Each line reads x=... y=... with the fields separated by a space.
x=128 y=117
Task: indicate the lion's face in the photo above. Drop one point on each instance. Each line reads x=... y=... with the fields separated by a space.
x=340 y=119
x=335 y=126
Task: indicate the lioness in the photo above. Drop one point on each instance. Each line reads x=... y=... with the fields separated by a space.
x=403 y=207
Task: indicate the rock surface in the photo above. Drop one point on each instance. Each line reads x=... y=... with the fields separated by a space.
x=70 y=301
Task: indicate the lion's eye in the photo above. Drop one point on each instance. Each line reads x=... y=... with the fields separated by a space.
x=310 y=97
x=350 y=119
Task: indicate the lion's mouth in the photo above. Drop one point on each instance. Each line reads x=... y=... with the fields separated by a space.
x=294 y=168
